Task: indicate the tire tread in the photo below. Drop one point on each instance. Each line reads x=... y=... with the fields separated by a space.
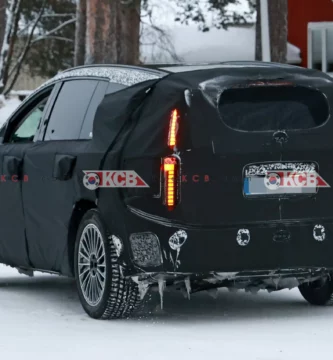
x=123 y=294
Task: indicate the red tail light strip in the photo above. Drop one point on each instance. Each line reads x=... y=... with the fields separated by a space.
x=171 y=183
x=173 y=129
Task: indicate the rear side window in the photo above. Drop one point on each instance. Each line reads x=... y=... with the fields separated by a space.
x=87 y=128
x=70 y=109
x=270 y=108
x=104 y=88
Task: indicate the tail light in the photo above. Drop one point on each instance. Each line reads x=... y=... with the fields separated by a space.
x=171 y=175
x=173 y=129
x=171 y=165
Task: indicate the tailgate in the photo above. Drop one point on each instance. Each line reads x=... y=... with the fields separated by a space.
x=266 y=149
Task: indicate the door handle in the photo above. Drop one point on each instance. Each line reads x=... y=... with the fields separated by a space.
x=63 y=167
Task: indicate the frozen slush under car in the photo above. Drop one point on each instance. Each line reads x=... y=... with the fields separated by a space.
x=211 y=143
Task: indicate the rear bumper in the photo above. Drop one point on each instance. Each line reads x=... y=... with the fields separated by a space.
x=243 y=248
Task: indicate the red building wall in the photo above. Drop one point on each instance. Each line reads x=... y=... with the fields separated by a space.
x=300 y=13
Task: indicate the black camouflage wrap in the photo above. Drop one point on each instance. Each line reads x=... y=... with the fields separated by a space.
x=130 y=133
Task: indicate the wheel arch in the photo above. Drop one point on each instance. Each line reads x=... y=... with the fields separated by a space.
x=80 y=209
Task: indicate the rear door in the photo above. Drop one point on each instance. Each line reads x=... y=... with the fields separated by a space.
x=52 y=191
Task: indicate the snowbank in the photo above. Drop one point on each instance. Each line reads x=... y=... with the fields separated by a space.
x=7 y=107
x=192 y=45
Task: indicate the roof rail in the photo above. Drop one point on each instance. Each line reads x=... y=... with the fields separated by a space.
x=236 y=62
x=262 y=63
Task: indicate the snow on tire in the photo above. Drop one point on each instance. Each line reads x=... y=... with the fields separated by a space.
x=103 y=291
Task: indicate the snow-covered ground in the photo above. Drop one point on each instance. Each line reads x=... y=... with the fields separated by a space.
x=41 y=318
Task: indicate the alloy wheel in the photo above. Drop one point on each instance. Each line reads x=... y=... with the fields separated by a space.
x=92 y=264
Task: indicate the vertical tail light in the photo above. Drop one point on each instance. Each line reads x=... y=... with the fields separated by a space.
x=171 y=165
x=173 y=129
x=171 y=181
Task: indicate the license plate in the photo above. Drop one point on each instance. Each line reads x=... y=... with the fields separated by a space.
x=280 y=179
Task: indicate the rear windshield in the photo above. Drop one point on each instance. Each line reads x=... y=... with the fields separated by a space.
x=273 y=108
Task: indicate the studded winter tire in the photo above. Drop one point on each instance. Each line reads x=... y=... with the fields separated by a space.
x=319 y=292
x=103 y=291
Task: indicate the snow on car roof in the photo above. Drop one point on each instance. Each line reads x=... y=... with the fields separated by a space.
x=118 y=74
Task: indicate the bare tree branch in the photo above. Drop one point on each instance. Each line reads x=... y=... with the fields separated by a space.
x=42 y=37
x=61 y=38
x=7 y=41
x=13 y=41
x=157 y=38
x=17 y=31
x=58 y=15
x=26 y=27
x=17 y=68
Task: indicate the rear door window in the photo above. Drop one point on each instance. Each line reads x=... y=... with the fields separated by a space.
x=104 y=88
x=114 y=87
x=70 y=110
x=271 y=108
x=87 y=127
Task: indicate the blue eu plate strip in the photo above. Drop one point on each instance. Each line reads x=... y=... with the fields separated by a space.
x=247 y=186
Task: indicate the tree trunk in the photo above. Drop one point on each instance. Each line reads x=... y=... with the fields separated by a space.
x=98 y=22
x=129 y=32
x=113 y=31
x=278 y=21
x=278 y=14
x=8 y=42
x=258 y=50
x=80 y=33
x=2 y=21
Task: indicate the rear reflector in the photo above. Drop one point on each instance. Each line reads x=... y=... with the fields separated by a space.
x=173 y=129
x=171 y=183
